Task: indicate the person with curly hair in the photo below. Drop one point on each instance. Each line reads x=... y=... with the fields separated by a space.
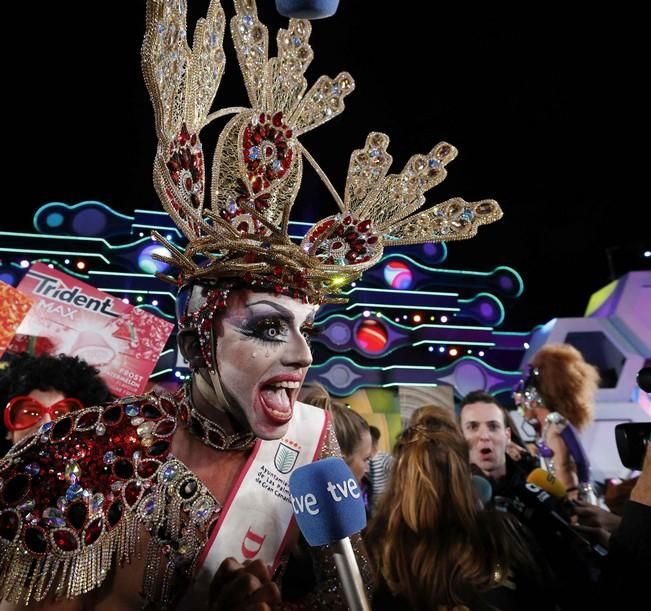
x=431 y=545
x=558 y=399
x=37 y=389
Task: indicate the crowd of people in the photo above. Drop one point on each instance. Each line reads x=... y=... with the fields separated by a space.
x=434 y=540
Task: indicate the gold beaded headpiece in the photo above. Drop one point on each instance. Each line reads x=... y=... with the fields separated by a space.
x=258 y=162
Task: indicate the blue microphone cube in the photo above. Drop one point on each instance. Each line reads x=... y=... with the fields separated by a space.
x=327 y=501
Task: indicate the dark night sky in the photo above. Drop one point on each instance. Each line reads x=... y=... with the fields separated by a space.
x=545 y=110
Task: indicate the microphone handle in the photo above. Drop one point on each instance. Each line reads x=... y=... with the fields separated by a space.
x=349 y=574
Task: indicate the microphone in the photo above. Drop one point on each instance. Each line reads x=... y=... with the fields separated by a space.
x=483 y=490
x=328 y=507
x=547 y=482
x=307 y=9
x=539 y=509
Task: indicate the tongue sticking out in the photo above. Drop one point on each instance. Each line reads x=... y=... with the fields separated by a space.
x=276 y=399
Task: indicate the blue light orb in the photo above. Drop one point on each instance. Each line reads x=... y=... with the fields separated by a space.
x=149 y=265
x=54 y=219
x=398 y=275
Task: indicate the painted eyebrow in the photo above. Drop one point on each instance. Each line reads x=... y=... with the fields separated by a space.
x=286 y=313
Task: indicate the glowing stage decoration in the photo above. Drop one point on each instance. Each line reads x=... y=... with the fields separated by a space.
x=371 y=336
x=374 y=338
x=89 y=219
x=398 y=275
x=149 y=265
x=344 y=376
x=403 y=286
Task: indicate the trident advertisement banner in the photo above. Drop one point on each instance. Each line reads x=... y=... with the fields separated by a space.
x=13 y=308
x=122 y=341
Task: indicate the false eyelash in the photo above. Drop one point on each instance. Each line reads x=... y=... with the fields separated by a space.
x=310 y=332
x=257 y=328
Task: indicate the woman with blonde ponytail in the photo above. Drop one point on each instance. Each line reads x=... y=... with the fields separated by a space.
x=432 y=546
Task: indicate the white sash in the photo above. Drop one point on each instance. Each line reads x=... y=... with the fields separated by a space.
x=255 y=520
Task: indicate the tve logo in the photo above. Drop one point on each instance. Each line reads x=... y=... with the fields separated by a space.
x=338 y=491
x=327 y=501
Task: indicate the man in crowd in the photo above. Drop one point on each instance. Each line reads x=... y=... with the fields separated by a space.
x=486 y=427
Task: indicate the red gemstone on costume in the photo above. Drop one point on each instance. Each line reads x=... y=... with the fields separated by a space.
x=158 y=448
x=35 y=540
x=88 y=420
x=123 y=468
x=76 y=514
x=184 y=136
x=114 y=513
x=61 y=429
x=93 y=531
x=168 y=406
x=16 y=489
x=8 y=525
x=277 y=119
x=132 y=493
x=65 y=540
x=164 y=428
x=112 y=415
x=147 y=468
x=150 y=411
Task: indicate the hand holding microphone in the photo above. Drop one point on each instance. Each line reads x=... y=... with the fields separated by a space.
x=328 y=507
x=594 y=523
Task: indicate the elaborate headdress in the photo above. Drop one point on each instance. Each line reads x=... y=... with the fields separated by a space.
x=258 y=162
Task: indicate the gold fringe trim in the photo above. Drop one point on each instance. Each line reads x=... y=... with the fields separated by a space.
x=66 y=574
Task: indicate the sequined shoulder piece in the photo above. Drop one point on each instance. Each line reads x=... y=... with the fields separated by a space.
x=71 y=496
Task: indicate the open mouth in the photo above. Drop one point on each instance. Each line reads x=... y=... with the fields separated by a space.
x=485 y=452
x=277 y=399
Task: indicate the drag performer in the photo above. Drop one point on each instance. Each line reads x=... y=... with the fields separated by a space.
x=141 y=503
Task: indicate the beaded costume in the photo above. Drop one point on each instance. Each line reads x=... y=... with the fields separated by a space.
x=77 y=497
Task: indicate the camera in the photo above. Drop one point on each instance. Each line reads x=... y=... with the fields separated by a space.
x=633 y=437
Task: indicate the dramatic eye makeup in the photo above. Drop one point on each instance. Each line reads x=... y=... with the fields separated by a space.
x=271 y=323
x=309 y=332
x=269 y=328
